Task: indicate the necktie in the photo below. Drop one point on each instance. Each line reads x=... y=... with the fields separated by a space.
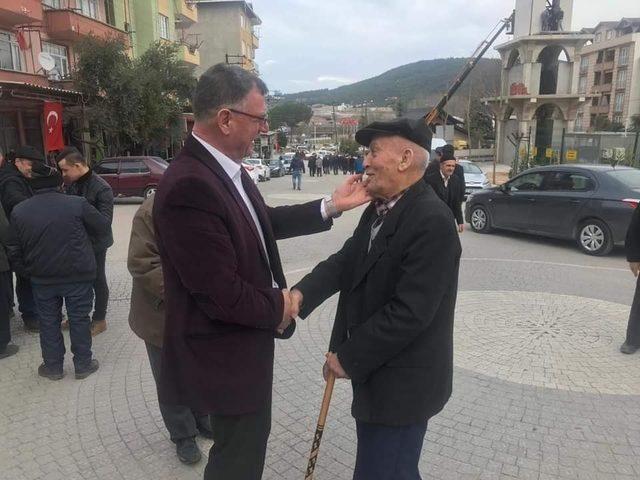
x=382 y=208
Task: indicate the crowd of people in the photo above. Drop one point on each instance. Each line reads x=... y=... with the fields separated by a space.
x=55 y=229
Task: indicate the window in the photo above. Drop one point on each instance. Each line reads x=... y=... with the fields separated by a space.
x=55 y=4
x=89 y=8
x=623 y=58
x=163 y=26
x=622 y=79
x=600 y=55
x=617 y=119
x=584 y=64
x=609 y=35
x=598 y=37
x=59 y=54
x=609 y=55
x=10 y=58
x=109 y=167
x=242 y=21
x=596 y=78
x=619 y=102
x=605 y=101
x=133 y=166
x=608 y=77
x=594 y=102
x=578 y=122
x=582 y=84
x=527 y=182
x=568 y=182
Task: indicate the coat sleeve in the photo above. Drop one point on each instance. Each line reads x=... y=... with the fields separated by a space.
x=190 y=224
x=429 y=267
x=296 y=220
x=14 y=249
x=104 y=203
x=14 y=191
x=632 y=241
x=96 y=224
x=143 y=260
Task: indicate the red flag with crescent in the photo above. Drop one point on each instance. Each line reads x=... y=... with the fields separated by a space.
x=53 y=126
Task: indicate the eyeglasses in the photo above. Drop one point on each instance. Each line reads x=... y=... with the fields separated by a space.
x=262 y=120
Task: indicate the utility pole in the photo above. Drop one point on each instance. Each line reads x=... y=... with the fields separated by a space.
x=335 y=125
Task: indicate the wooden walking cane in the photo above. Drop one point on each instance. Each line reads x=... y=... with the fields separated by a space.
x=315 y=447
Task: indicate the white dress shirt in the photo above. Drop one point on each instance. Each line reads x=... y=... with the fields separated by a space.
x=444 y=179
x=233 y=169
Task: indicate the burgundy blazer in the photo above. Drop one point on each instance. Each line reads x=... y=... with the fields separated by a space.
x=221 y=308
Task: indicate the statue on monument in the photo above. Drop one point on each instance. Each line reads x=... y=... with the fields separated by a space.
x=552 y=17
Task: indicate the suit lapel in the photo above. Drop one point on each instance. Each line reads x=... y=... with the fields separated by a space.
x=388 y=228
x=203 y=155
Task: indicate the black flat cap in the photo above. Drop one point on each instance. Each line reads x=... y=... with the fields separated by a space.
x=415 y=130
x=29 y=153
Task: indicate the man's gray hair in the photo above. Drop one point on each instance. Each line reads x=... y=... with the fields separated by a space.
x=223 y=86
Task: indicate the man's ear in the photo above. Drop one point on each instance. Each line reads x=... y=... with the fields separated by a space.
x=222 y=120
x=406 y=161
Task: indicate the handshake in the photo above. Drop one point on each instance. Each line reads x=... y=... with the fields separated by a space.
x=292 y=304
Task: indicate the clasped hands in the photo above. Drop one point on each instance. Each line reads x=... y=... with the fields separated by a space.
x=292 y=303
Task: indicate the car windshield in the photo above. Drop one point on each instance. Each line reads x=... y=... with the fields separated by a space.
x=629 y=177
x=274 y=162
x=253 y=161
x=470 y=168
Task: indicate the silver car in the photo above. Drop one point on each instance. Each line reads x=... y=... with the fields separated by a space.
x=474 y=177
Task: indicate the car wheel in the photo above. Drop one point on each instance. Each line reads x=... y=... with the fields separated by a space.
x=480 y=220
x=594 y=238
x=149 y=191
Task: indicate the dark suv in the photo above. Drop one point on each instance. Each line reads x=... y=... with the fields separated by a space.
x=132 y=176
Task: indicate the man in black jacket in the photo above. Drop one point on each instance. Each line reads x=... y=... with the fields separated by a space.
x=397 y=277
x=50 y=245
x=632 y=247
x=434 y=166
x=83 y=182
x=447 y=186
x=14 y=189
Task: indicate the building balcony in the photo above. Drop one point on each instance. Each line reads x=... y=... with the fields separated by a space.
x=23 y=77
x=600 y=110
x=603 y=66
x=188 y=58
x=14 y=12
x=255 y=41
x=186 y=13
x=601 y=88
x=69 y=26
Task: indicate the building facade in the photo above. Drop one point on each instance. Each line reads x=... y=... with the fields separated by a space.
x=610 y=72
x=228 y=32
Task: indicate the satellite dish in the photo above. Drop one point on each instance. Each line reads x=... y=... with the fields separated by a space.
x=46 y=61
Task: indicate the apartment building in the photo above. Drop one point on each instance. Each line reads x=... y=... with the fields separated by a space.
x=228 y=32
x=610 y=71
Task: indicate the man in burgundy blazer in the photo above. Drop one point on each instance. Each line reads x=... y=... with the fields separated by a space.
x=226 y=296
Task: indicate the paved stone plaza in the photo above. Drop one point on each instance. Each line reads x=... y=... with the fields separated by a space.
x=540 y=390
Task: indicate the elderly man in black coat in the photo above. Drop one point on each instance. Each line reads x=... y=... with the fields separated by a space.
x=632 y=246
x=397 y=277
x=447 y=186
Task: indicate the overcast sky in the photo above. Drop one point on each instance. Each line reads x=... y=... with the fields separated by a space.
x=310 y=44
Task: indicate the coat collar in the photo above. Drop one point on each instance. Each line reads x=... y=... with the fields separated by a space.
x=388 y=228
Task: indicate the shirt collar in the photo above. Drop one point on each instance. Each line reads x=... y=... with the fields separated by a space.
x=231 y=168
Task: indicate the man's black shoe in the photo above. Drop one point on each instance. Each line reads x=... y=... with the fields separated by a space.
x=628 y=348
x=9 y=350
x=50 y=373
x=31 y=325
x=85 y=372
x=204 y=427
x=188 y=451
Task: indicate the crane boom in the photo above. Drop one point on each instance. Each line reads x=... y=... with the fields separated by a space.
x=473 y=60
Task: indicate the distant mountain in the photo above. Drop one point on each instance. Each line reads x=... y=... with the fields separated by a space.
x=416 y=84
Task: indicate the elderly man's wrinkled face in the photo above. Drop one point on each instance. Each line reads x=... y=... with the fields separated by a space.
x=24 y=166
x=447 y=167
x=381 y=167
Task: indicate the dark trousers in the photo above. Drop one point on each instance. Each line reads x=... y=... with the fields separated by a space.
x=100 y=287
x=26 y=303
x=78 y=298
x=633 y=327
x=181 y=421
x=5 y=308
x=240 y=445
x=388 y=453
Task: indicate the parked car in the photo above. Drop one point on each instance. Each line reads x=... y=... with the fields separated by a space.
x=286 y=159
x=252 y=171
x=591 y=204
x=474 y=178
x=132 y=176
x=277 y=167
x=264 y=172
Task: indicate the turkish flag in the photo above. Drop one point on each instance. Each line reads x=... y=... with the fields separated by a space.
x=53 y=126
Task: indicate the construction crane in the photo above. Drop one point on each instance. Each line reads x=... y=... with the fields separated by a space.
x=472 y=62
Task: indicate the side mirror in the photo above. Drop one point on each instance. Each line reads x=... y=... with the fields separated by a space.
x=504 y=188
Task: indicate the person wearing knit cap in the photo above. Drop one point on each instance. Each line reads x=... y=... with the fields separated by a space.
x=447 y=185
x=50 y=244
